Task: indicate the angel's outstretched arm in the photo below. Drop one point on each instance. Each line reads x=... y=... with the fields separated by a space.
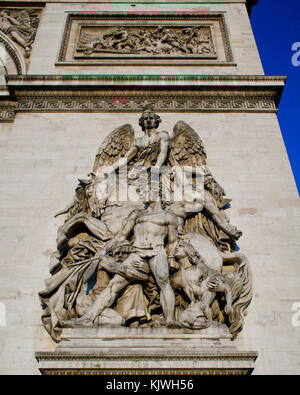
x=121 y=162
x=131 y=154
x=164 y=147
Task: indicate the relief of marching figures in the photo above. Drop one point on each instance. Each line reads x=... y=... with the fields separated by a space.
x=149 y=41
x=135 y=252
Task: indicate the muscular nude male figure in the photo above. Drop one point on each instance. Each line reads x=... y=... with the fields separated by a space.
x=151 y=227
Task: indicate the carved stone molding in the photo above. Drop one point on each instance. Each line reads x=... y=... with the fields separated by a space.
x=69 y=93
x=7 y=115
x=145 y=38
x=147 y=80
x=205 y=352
x=7 y=111
x=14 y=53
x=134 y=104
x=202 y=371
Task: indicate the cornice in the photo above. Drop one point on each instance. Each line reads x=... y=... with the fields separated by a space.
x=204 y=356
x=127 y=1
x=187 y=362
x=144 y=372
x=249 y=3
x=129 y=93
x=99 y=80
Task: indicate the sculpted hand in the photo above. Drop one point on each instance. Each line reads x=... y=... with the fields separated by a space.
x=100 y=254
x=212 y=286
x=173 y=263
x=110 y=266
x=215 y=285
x=135 y=272
x=139 y=266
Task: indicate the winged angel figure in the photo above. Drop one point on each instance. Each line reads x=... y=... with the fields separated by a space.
x=118 y=259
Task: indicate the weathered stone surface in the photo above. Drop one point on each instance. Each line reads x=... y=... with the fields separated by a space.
x=45 y=150
x=146 y=351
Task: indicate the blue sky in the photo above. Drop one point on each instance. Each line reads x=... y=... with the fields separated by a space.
x=276 y=27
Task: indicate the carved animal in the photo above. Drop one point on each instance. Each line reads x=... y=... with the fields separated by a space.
x=201 y=279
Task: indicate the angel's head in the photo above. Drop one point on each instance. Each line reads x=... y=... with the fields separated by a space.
x=149 y=119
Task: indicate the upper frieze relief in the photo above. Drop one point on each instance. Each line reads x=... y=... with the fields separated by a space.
x=148 y=38
x=20 y=27
x=147 y=41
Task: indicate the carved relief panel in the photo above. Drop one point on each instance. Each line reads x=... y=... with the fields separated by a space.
x=20 y=26
x=134 y=251
x=134 y=38
x=137 y=41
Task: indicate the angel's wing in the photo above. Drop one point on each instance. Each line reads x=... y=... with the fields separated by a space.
x=187 y=148
x=114 y=146
x=79 y=204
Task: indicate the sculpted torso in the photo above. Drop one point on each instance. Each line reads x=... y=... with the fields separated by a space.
x=115 y=216
x=146 y=141
x=151 y=229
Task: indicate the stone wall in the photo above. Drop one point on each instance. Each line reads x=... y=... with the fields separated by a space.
x=42 y=155
x=245 y=56
x=46 y=153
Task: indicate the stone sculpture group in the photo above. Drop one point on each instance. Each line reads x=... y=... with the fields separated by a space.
x=158 y=40
x=144 y=243
x=20 y=27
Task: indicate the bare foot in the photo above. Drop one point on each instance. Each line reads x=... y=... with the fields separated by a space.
x=84 y=321
x=173 y=325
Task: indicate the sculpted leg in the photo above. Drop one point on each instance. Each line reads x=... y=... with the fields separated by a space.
x=107 y=297
x=160 y=269
x=109 y=317
x=205 y=305
x=104 y=300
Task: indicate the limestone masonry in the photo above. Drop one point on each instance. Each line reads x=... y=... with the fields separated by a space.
x=95 y=283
